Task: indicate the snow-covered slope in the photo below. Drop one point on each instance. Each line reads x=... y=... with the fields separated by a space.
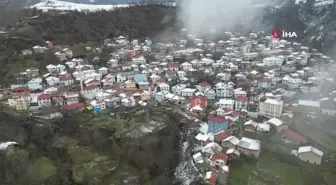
x=68 y=6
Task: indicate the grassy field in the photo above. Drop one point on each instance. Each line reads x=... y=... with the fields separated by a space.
x=271 y=168
x=317 y=135
x=329 y=176
x=240 y=173
x=287 y=174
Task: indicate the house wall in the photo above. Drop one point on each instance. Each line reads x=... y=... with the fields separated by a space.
x=328 y=111
x=310 y=157
x=247 y=152
x=228 y=145
x=282 y=127
x=44 y=102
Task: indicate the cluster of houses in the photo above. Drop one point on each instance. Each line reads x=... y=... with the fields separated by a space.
x=256 y=73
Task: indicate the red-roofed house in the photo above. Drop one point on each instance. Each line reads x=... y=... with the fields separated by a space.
x=57 y=99
x=126 y=66
x=20 y=91
x=220 y=136
x=294 y=137
x=36 y=92
x=203 y=86
x=173 y=67
x=44 y=100
x=90 y=92
x=241 y=103
x=92 y=83
x=264 y=82
x=218 y=160
x=65 y=80
x=211 y=178
x=73 y=108
x=170 y=74
x=202 y=101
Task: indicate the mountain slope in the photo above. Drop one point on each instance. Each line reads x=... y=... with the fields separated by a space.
x=313 y=21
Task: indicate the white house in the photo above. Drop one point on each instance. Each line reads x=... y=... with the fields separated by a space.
x=154 y=77
x=44 y=100
x=292 y=83
x=98 y=104
x=224 y=76
x=103 y=70
x=188 y=92
x=51 y=80
x=101 y=96
x=90 y=92
x=230 y=142
x=310 y=88
x=120 y=78
x=310 y=154
x=249 y=147
x=225 y=103
x=34 y=84
x=164 y=87
x=271 y=108
x=60 y=68
x=273 y=61
x=224 y=90
x=51 y=68
x=177 y=89
x=277 y=124
x=211 y=148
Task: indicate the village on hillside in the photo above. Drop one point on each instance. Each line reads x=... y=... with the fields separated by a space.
x=248 y=95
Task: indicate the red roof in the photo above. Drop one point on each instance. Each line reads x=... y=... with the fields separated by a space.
x=204 y=84
x=73 y=106
x=219 y=156
x=222 y=135
x=20 y=89
x=265 y=80
x=118 y=89
x=171 y=72
x=199 y=100
x=90 y=87
x=242 y=98
x=216 y=118
x=64 y=78
x=213 y=178
x=174 y=65
x=126 y=64
x=293 y=136
x=44 y=97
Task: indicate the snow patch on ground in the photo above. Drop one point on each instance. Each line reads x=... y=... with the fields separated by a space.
x=68 y=6
x=5 y=145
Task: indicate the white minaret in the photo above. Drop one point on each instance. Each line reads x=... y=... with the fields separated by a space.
x=80 y=75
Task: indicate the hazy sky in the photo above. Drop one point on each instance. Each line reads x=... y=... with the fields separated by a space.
x=201 y=15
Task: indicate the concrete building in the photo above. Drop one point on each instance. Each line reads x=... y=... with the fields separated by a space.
x=270 y=108
x=249 y=147
x=310 y=154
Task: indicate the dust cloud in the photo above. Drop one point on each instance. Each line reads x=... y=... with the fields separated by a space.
x=199 y=16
